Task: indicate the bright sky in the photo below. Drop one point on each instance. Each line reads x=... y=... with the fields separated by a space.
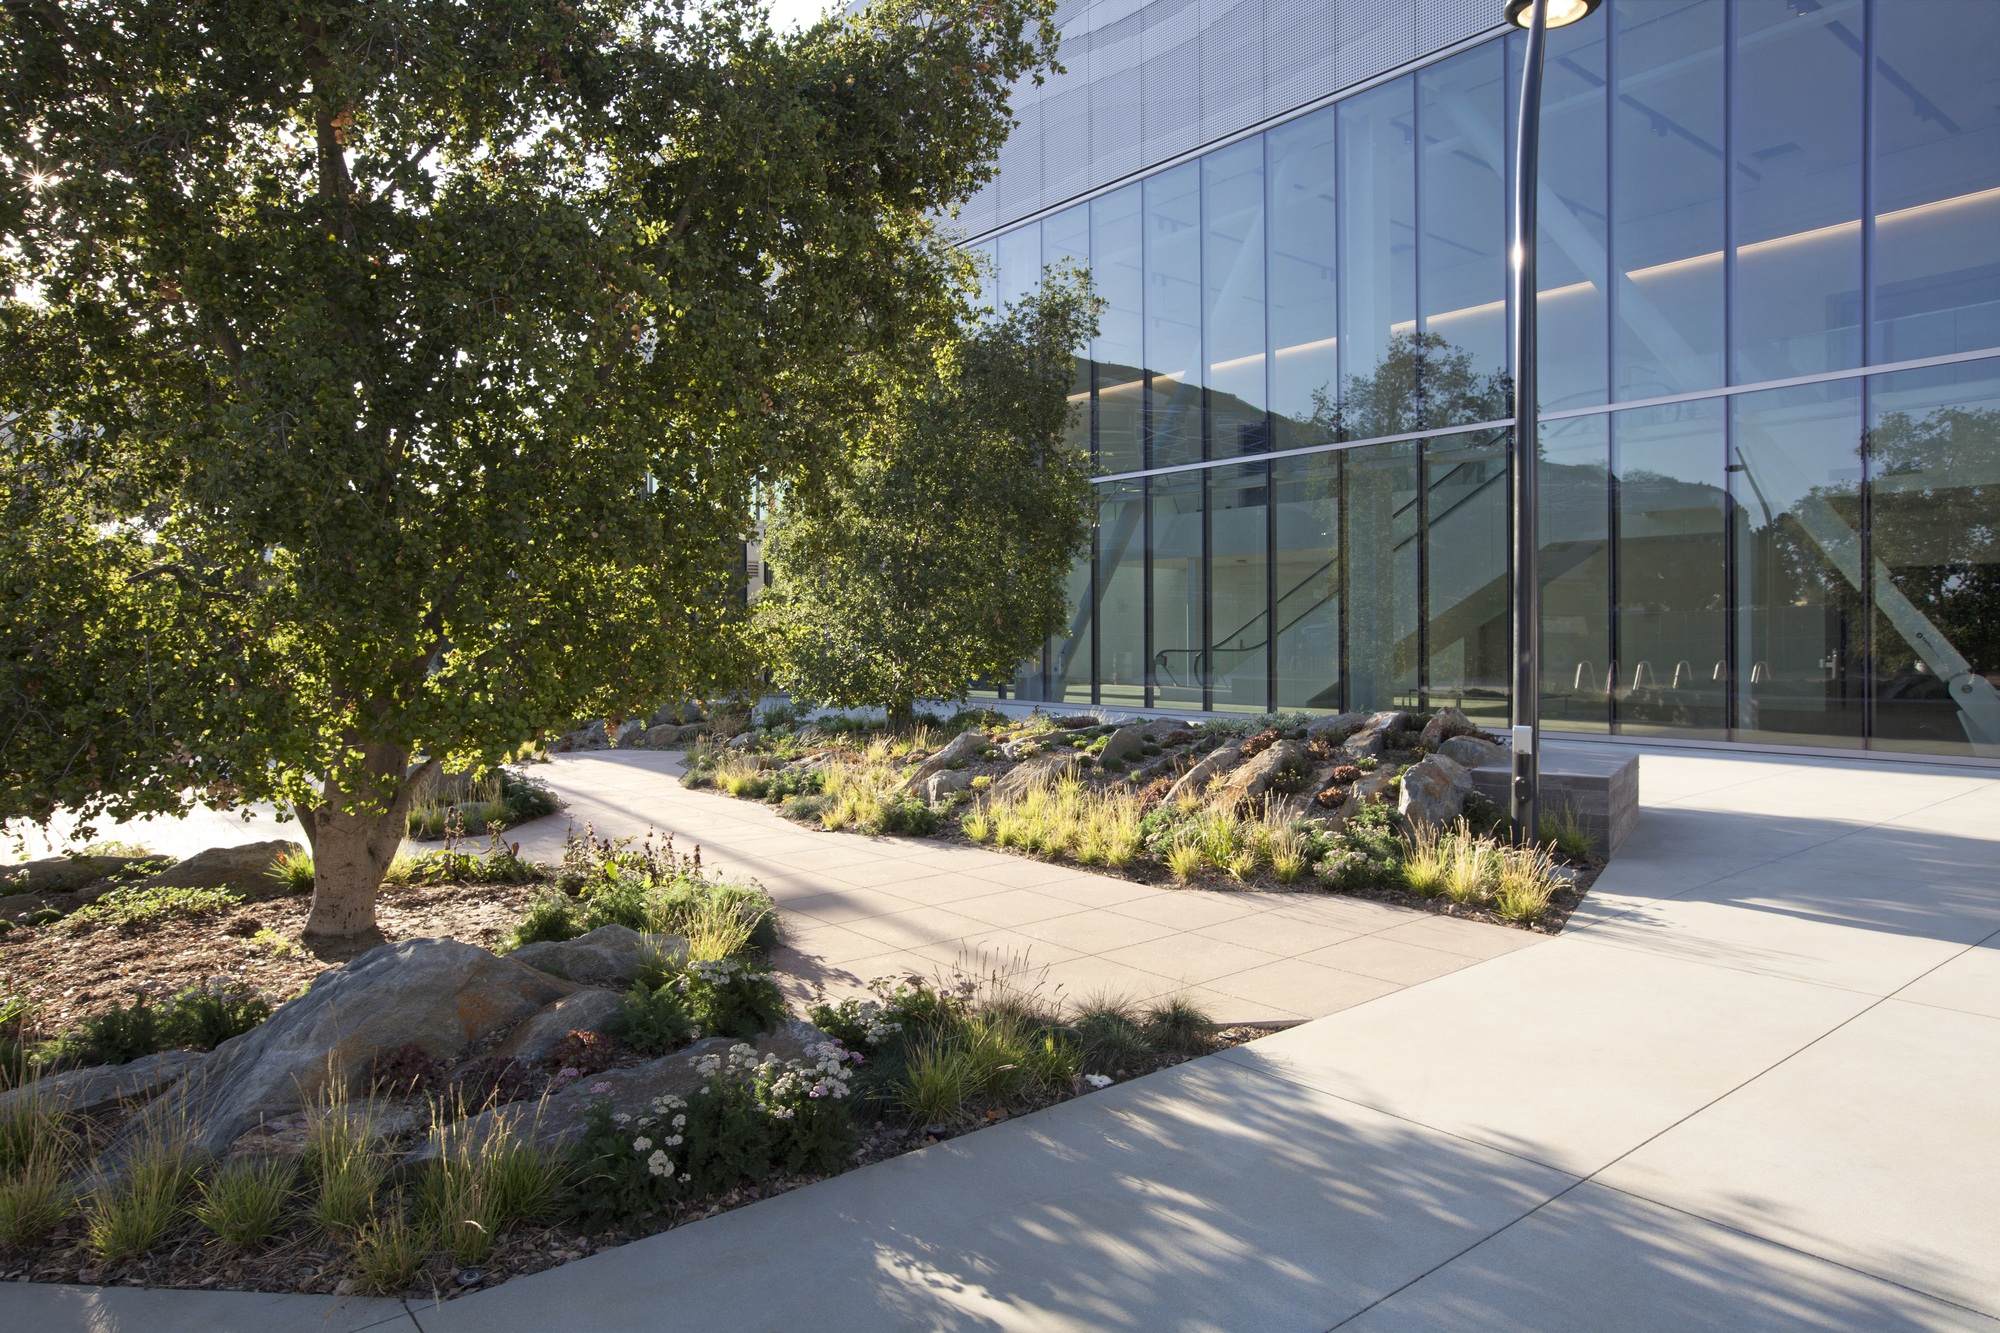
x=789 y=14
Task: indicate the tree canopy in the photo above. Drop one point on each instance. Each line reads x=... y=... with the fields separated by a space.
x=388 y=382
x=941 y=555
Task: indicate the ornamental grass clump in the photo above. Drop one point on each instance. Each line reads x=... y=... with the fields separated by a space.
x=35 y=1195
x=343 y=1168
x=244 y=1203
x=1110 y=1036
x=1525 y=884
x=388 y=1250
x=126 y=1218
x=1179 y=1027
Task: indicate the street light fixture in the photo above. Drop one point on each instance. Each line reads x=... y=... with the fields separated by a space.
x=1524 y=802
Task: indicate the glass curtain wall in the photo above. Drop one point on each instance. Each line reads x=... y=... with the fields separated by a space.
x=1734 y=196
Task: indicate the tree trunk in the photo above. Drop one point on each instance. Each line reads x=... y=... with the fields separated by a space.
x=354 y=839
x=901 y=714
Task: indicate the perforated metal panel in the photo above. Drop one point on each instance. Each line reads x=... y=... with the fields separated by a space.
x=1150 y=79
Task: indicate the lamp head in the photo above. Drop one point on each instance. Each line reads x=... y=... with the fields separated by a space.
x=1561 y=13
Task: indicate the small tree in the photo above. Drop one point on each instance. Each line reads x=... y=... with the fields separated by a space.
x=388 y=382
x=942 y=554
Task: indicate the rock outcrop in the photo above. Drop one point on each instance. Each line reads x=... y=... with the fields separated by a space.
x=1471 y=751
x=608 y=956
x=961 y=747
x=1253 y=778
x=1446 y=723
x=441 y=996
x=590 y=1010
x=1434 y=791
x=1216 y=762
x=247 y=866
x=82 y=1091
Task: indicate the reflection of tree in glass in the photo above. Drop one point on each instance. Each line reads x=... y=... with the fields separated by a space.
x=1423 y=382
x=1937 y=527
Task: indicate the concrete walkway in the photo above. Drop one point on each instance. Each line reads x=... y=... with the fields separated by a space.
x=856 y=908
x=1752 y=1087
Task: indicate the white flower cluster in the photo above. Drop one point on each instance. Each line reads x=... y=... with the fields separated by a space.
x=824 y=1073
x=876 y=1022
x=649 y=342
x=668 y=1119
x=717 y=971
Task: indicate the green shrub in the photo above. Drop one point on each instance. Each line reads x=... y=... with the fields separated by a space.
x=749 y=1121
x=244 y=1202
x=805 y=809
x=526 y=797
x=655 y=1020
x=551 y=918
x=906 y=815
x=726 y=998
x=131 y=908
x=199 y=1018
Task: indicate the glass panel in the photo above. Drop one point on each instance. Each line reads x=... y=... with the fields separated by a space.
x=1937 y=178
x=1796 y=482
x=1934 y=482
x=1178 y=634
x=1066 y=242
x=1798 y=134
x=1020 y=262
x=1378 y=232
x=987 y=270
x=1667 y=196
x=1069 y=652
x=1301 y=275
x=1572 y=217
x=1121 y=597
x=1672 y=670
x=1239 y=578
x=1117 y=269
x=1462 y=273
x=1380 y=539
x=1308 y=589
x=1233 y=297
x=1575 y=489
x=1470 y=637
x=1173 y=314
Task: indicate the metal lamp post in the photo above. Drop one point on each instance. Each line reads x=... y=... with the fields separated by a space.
x=1537 y=17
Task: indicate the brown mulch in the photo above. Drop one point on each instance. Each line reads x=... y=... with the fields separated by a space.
x=69 y=974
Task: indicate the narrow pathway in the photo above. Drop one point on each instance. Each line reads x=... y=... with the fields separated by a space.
x=857 y=907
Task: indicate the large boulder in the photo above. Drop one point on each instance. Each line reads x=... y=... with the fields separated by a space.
x=1337 y=726
x=1256 y=776
x=1123 y=743
x=556 y=1120
x=629 y=731
x=536 y=1040
x=1376 y=788
x=608 y=956
x=441 y=996
x=938 y=786
x=591 y=736
x=1024 y=778
x=82 y=1091
x=1434 y=791
x=60 y=874
x=1210 y=766
x=1378 y=734
x=961 y=747
x=247 y=866
x=671 y=733
x=1446 y=723
x=1471 y=751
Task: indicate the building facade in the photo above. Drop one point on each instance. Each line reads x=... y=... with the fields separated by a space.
x=1769 y=307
